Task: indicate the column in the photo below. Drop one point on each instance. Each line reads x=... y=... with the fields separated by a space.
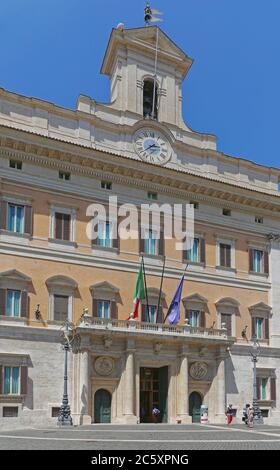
x=83 y=399
x=129 y=392
x=183 y=389
x=220 y=389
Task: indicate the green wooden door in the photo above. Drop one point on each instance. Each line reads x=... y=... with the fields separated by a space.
x=163 y=393
x=102 y=406
x=195 y=402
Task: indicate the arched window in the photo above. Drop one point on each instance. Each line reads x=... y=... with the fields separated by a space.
x=150 y=96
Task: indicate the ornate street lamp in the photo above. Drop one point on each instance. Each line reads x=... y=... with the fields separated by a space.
x=255 y=352
x=68 y=339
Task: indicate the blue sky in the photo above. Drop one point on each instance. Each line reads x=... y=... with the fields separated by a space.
x=53 y=49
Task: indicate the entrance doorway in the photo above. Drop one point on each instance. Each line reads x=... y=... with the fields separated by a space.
x=102 y=406
x=153 y=394
x=195 y=402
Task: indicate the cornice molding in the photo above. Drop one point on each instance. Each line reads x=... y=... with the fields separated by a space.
x=90 y=162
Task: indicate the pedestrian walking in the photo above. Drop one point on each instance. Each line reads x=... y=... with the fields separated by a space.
x=229 y=414
x=245 y=413
x=251 y=417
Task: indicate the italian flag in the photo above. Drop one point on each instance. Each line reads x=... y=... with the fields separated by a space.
x=139 y=293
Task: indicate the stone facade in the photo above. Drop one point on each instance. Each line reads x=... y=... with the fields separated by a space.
x=59 y=161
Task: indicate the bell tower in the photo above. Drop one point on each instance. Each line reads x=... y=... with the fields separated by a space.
x=134 y=59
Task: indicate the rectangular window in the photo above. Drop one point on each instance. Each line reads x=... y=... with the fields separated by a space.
x=263 y=391
x=258 y=257
x=150 y=242
x=259 y=328
x=11 y=380
x=62 y=226
x=225 y=255
x=226 y=320
x=64 y=175
x=193 y=250
x=194 y=320
x=15 y=218
x=10 y=411
x=152 y=314
x=195 y=205
x=13 y=303
x=103 y=309
x=55 y=411
x=227 y=212
x=16 y=164
x=61 y=306
x=106 y=185
x=152 y=196
x=105 y=234
x=258 y=220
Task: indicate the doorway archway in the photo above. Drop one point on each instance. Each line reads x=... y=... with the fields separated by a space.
x=195 y=402
x=102 y=406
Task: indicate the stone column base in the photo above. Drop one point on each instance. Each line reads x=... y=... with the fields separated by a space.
x=219 y=418
x=183 y=419
x=129 y=419
x=81 y=420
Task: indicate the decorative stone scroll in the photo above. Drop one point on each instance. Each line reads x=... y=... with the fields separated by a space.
x=104 y=365
x=198 y=370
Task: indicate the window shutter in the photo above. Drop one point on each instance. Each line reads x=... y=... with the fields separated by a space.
x=1 y=380
x=222 y=255
x=266 y=262
x=160 y=315
x=251 y=260
x=23 y=380
x=202 y=250
x=187 y=314
x=266 y=328
x=3 y=293
x=3 y=215
x=228 y=256
x=28 y=220
x=144 y=313
x=253 y=327
x=60 y=307
x=258 y=388
x=94 y=308
x=116 y=240
x=161 y=243
x=202 y=320
x=66 y=218
x=141 y=241
x=24 y=304
x=114 y=310
x=58 y=226
x=273 y=389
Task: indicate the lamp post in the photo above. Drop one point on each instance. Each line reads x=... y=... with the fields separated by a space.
x=64 y=418
x=255 y=352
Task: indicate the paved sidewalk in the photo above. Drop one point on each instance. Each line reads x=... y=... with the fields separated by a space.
x=144 y=437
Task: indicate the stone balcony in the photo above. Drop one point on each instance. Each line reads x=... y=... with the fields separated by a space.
x=137 y=328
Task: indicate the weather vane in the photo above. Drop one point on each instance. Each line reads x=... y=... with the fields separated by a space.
x=151 y=15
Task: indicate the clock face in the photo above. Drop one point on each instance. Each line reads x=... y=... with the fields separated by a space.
x=152 y=146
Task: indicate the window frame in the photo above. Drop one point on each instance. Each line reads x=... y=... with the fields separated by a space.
x=54 y=209
x=11 y=393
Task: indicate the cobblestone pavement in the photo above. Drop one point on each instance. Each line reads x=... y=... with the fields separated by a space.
x=144 y=437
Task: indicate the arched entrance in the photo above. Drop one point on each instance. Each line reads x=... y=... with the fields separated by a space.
x=102 y=406
x=195 y=402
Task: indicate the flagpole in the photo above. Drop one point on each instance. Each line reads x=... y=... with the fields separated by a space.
x=155 y=77
x=145 y=283
x=161 y=282
x=184 y=279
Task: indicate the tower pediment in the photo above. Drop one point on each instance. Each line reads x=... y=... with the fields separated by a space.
x=143 y=40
